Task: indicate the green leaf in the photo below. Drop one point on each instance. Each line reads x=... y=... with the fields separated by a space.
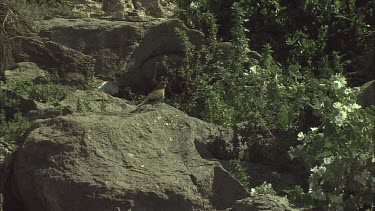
x=284 y=117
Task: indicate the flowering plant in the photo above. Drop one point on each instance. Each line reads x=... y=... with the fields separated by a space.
x=340 y=151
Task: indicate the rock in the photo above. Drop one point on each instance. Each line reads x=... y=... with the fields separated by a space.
x=93 y=101
x=25 y=71
x=145 y=159
x=73 y=67
x=109 y=42
x=46 y=113
x=159 y=42
x=153 y=8
x=25 y=104
x=135 y=47
x=109 y=88
x=367 y=96
x=263 y=202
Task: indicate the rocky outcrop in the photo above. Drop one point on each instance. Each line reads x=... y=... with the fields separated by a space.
x=25 y=71
x=146 y=159
x=72 y=67
x=262 y=202
x=98 y=152
x=134 y=47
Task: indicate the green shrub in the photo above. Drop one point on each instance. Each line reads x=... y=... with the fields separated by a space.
x=308 y=32
x=47 y=9
x=239 y=172
x=340 y=151
x=48 y=93
x=297 y=85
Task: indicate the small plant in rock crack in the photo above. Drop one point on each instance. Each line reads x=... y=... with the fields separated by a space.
x=48 y=93
x=239 y=172
x=264 y=188
x=12 y=124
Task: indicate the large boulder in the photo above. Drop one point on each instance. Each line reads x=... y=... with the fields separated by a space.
x=147 y=158
x=109 y=42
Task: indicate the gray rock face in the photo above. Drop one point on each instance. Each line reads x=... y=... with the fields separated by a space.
x=136 y=47
x=367 y=96
x=146 y=159
x=71 y=66
x=25 y=71
x=262 y=202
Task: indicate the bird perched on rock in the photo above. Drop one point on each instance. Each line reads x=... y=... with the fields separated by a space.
x=157 y=95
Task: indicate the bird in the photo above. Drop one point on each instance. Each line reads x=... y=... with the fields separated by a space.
x=157 y=95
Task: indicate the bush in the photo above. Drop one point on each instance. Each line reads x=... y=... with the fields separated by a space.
x=297 y=84
x=48 y=93
x=340 y=151
x=308 y=33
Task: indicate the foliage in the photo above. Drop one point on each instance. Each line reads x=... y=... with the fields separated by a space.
x=12 y=130
x=47 y=9
x=295 y=85
x=239 y=172
x=340 y=150
x=264 y=188
x=12 y=124
x=48 y=93
x=308 y=32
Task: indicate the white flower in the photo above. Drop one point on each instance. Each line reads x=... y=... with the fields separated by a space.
x=340 y=118
x=193 y=5
x=313 y=129
x=328 y=160
x=253 y=69
x=338 y=82
x=337 y=105
x=253 y=192
x=355 y=106
x=318 y=170
x=301 y=136
x=348 y=91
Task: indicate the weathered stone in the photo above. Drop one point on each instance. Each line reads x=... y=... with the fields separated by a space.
x=367 y=96
x=142 y=160
x=25 y=104
x=137 y=48
x=159 y=42
x=25 y=71
x=263 y=202
x=109 y=88
x=73 y=67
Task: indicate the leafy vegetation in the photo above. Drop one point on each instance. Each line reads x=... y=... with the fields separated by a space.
x=48 y=93
x=13 y=124
x=46 y=9
x=297 y=85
